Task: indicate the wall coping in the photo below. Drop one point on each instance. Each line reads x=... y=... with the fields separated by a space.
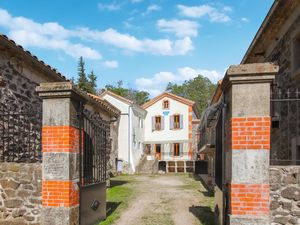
x=250 y=73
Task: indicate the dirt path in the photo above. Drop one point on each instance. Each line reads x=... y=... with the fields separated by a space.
x=168 y=200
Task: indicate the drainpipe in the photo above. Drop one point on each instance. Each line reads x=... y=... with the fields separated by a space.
x=129 y=135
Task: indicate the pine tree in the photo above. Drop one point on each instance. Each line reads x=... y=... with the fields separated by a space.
x=92 y=83
x=82 y=81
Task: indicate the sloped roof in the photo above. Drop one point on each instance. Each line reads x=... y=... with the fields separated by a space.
x=122 y=99
x=174 y=97
x=280 y=12
x=5 y=41
x=105 y=104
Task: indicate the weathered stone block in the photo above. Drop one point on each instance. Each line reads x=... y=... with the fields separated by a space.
x=13 y=203
x=291 y=193
x=9 y=183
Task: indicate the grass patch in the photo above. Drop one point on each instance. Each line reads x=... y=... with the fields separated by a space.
x=157 y=219
x=118 y=197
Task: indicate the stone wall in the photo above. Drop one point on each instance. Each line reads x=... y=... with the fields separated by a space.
x=285 y=195
x=17 y=95
x=284 y=137
x=17 y=91
x=20 y=193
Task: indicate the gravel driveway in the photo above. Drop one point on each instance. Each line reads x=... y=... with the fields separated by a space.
x=168 y=200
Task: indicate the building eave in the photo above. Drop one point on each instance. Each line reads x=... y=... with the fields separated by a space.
x=32 y=59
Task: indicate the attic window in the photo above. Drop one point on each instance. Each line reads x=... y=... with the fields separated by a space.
x=166 y=104
x=296 y=54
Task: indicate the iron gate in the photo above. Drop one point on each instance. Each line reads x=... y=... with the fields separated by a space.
x=94 y=143
x=285 y=129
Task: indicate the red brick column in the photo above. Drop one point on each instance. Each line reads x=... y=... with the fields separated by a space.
x=56 y=192
x=247 y=92
x=60 y=146
x=250 y=134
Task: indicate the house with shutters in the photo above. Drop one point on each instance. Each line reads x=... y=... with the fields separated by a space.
x=169 y=132
x=130 y=131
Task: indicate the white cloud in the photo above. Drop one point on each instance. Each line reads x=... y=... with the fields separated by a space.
x=158 y=82
x=152 y=8
x=131 y=43
x=55 y=37
x=214 y=14
x=109 y=7
x=44 y=35
x=111 y=64
x=245 y=20
x=181 y=28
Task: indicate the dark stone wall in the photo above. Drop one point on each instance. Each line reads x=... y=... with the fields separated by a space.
x=20 y=193
x=285 y=194
x=285 y=137
x=17 y=95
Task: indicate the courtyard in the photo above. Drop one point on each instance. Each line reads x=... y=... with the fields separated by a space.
x=158 y=200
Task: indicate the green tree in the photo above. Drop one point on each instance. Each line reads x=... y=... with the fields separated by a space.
x=86 y=83
x=92 y=82
x=199 y=89
x=82 y=81
x=138 y=97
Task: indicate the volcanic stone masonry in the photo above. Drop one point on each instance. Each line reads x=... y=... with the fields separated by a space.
x=285 y=194
x=20 y=193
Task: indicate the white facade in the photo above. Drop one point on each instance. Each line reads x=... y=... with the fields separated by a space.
x=131 y=133
x=167 y=137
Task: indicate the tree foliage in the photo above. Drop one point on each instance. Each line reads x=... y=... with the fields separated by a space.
x=199 y=90
x=138 y=97
x=86 y=83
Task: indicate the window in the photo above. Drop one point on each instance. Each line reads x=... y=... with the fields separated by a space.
x=296 y=54
x=147 y=149
x=158 y=151
x=176 y=121
x=157 y=123
x=166 y=104
x=176 y=149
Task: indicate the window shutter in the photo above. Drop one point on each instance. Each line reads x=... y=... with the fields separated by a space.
x=181 y=149
x=181 y=121
x=171 y=122
x=153 y=123
x=152 y=149
x=171 y=149
x=162 y=123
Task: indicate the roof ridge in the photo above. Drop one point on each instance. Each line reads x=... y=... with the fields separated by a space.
x=33 y=57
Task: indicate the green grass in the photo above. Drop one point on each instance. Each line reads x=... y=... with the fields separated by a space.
x=118 y=197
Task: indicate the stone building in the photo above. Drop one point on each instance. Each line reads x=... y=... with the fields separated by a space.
x=278 y=41
x=273 y=172
x=20 y=131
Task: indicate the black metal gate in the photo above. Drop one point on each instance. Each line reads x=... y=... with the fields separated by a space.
x=285 y=131
x=94 y=143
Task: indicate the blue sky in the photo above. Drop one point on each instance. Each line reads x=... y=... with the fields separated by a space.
x=144 y=43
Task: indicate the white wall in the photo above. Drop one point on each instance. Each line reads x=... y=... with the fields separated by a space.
x=128 y=127
x=123 y=145
x=137 y=144
x=167 y=136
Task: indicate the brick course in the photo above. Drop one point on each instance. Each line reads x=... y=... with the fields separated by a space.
x=249 y=199
x=60 y=139
x=250 y=133
x=60 y=193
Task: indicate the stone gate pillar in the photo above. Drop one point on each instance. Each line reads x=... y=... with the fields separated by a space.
x=247 y=89
x=60 y=147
